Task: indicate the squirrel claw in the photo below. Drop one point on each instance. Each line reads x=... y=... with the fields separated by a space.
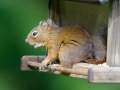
x=42 y=67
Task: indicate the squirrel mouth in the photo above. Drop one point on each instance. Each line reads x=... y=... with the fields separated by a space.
x=36 y=45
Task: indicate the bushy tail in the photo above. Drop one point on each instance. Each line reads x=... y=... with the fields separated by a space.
x=102 y=34
x=92 y=61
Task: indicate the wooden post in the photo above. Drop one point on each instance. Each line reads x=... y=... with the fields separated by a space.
x=113 y=45
x=91 y=1
x=54 y=13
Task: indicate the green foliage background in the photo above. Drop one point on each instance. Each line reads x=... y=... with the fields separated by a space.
x=17 y=18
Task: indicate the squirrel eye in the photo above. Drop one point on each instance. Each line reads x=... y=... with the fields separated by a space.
x=34 y=33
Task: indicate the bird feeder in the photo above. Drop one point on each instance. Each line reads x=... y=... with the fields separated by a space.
x=92 y=15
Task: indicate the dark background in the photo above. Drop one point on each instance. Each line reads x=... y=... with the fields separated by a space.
x=17 y=18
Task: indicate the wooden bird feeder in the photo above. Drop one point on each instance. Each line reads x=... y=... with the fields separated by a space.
x=91 y=15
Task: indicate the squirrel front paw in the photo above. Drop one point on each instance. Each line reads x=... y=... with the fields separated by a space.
x=43 y=65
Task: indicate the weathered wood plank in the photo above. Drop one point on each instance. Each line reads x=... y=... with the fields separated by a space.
x=82 y=67
x=79 y=70
x=104 y=75
x=25 y=59
x=113 y=46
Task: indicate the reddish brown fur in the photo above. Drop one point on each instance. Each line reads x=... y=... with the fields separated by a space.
x=70 y=44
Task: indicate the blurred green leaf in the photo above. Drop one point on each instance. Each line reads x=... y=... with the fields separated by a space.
x=17 y=18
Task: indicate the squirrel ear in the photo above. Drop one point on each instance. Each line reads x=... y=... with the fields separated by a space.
x=40 y=22
x=44 y=25
x=51 y=23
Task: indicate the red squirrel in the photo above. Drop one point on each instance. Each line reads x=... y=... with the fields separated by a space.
x=71 y=44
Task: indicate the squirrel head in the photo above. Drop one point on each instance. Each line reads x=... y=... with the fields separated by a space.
x=36 y=37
